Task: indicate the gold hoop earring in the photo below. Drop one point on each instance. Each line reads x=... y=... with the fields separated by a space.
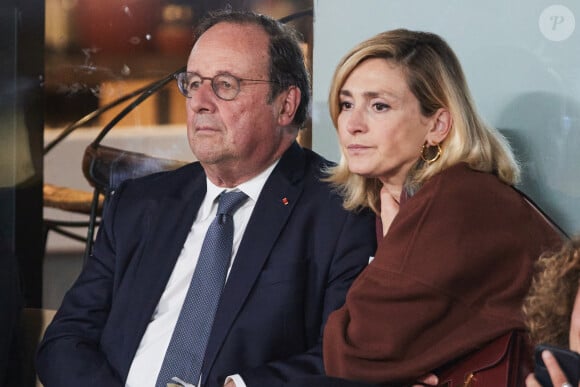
x=427 y=149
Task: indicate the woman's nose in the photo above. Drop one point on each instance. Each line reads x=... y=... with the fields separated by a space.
x=355 y=122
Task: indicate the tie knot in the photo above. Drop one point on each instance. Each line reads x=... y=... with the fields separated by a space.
x=229 y=202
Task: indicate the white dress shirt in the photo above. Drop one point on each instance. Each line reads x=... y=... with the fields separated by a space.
x=151 y=351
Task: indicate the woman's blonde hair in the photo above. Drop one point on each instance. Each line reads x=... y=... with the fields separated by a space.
x=550 y=301
x=435 y=78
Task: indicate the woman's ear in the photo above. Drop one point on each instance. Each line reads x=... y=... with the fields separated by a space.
x=289 y=105
x=440 y=126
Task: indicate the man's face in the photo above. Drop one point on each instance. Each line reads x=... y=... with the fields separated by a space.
x=234 y=140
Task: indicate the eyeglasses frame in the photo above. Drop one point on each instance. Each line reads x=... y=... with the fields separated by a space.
x=181 y=75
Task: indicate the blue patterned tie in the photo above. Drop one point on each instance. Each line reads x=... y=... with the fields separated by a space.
x=184 y=356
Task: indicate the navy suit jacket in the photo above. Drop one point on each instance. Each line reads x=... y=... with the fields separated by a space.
x=299 y=254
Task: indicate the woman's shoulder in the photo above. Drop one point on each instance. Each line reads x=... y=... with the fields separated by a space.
x=460 y=192
x=462 y=172
x=462 y=180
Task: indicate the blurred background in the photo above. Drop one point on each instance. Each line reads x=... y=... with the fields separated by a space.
x=96 y=50
x=62 y=62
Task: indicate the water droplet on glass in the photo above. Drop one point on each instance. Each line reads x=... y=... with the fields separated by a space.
x=126 y=70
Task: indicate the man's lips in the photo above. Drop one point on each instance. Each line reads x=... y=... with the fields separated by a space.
x=205 y=129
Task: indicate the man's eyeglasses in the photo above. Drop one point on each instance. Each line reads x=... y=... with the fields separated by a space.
x=225 y=86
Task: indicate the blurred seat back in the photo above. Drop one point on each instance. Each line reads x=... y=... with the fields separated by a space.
x=106 y=168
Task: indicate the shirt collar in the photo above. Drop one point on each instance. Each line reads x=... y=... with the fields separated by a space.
x=252 y=188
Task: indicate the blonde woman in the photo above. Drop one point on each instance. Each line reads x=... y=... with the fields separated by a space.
x=458 y=242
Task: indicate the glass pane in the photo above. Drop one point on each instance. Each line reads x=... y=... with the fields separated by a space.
x=21 y=111
x=522 y=62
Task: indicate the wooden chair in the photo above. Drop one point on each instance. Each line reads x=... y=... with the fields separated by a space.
x=70 y=199
x=104 y=168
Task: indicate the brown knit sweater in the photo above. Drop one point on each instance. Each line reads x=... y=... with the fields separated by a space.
x=450 y=275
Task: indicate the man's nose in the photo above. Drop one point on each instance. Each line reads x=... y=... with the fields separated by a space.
x=202 y=99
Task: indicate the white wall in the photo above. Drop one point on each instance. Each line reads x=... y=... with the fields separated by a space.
x=522 y=61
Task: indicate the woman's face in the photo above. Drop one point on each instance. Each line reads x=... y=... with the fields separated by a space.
x=574 y=338
x=380 y=126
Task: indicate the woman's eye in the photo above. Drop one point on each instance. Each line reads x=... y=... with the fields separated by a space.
x=381 y=107
x=345 y=105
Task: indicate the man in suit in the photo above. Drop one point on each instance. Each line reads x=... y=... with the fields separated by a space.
x=295 y=249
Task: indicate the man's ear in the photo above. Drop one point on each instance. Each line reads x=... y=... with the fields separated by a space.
x=289 y=105
x=441 y=123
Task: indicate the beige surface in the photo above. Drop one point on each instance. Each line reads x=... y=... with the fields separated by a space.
x=69 y=199
x=147 y=113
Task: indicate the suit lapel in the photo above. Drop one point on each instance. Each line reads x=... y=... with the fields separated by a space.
x=275 y=204
x=169 y=222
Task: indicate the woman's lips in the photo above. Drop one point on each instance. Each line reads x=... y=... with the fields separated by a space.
x=357 y=148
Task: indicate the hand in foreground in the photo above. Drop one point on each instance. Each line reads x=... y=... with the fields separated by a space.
x=556 y=375
x=427 y=380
